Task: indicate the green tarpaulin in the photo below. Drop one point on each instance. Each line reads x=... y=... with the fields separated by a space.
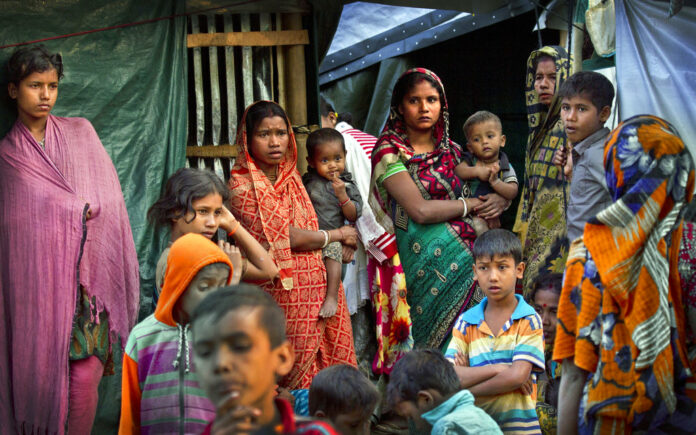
x=131 y=84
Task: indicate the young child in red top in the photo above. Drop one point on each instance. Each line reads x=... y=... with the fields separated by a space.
x=240 y=353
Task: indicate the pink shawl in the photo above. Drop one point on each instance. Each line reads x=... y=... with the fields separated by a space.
x=46 y=250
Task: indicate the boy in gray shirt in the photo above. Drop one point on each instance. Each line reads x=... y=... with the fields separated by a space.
x=585 y=107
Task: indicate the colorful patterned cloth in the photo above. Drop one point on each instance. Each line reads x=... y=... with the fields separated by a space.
x=521 y=339
x=541 y=221
x=547 y=396
x=267 y=211
x=90 y=334
x=436 y=257
x=621 y=314
x=687 y=274
x=392 y=313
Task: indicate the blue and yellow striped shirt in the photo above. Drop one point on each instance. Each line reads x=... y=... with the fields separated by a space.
x=521 y=339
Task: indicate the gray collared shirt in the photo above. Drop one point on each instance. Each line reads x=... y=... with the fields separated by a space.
x=588 y=188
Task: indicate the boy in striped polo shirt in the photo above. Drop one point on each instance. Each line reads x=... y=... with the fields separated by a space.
x=498 y=345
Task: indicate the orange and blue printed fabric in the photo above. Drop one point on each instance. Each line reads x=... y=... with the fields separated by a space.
x=621 y=315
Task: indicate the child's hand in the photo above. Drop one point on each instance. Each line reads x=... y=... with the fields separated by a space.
x=528 y=387
x=235 y=257
x=461 y=360
x=493 y=172
x=348 y=253
x=482 y=172
x=339 y=187
x=564 y=161
x=234 y=419
x=227 y=220
x=329 y=307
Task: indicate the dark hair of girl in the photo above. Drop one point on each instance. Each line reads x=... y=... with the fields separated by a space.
x=28 y=60
x=552 y=282
x=408 y=82
x=183 y=187
x=261 y=110
x=325 y=107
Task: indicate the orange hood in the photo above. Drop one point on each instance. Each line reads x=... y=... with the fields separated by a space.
x=187 y=256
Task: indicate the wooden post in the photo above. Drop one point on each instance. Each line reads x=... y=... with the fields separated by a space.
x=296 y=87
x=280 y=60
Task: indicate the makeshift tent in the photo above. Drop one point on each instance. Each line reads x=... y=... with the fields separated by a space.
x=656 y=63
x=480 y=56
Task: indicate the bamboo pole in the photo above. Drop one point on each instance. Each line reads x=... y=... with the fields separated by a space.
x=280 y=62
x=296 y=82
x=198 y=80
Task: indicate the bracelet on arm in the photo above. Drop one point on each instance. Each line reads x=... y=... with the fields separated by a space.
x=466 y=209
x=326 y=238
x=345 y=202
x=234 y=230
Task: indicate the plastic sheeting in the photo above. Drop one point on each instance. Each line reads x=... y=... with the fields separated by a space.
x=656 y=64
x=131 y=84
x=367 y=94
x=389 y=31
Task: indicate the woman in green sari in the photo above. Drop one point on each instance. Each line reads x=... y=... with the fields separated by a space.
x=541 y=217
x=416 y=196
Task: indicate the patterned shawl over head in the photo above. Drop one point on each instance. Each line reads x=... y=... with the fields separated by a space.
x=621 y=314
x=542 y=118
x=433 y=172
x=267 y=210
x=540 y=221
x=264 y=208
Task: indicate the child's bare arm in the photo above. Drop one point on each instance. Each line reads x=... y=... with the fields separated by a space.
x=466 y=172
x=506 y=190
x=261 y=265
x=349 y=211
x=472 y=376
x=509 y=379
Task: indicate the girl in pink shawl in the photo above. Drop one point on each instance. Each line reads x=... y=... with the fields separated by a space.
x=69 y=271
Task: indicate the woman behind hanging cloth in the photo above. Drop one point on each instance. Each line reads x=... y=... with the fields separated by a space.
x=541 y=221
x=416 y=196
x=621 y=316
x=68 y=262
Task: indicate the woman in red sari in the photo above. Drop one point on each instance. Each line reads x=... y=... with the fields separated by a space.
x=268 y=198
